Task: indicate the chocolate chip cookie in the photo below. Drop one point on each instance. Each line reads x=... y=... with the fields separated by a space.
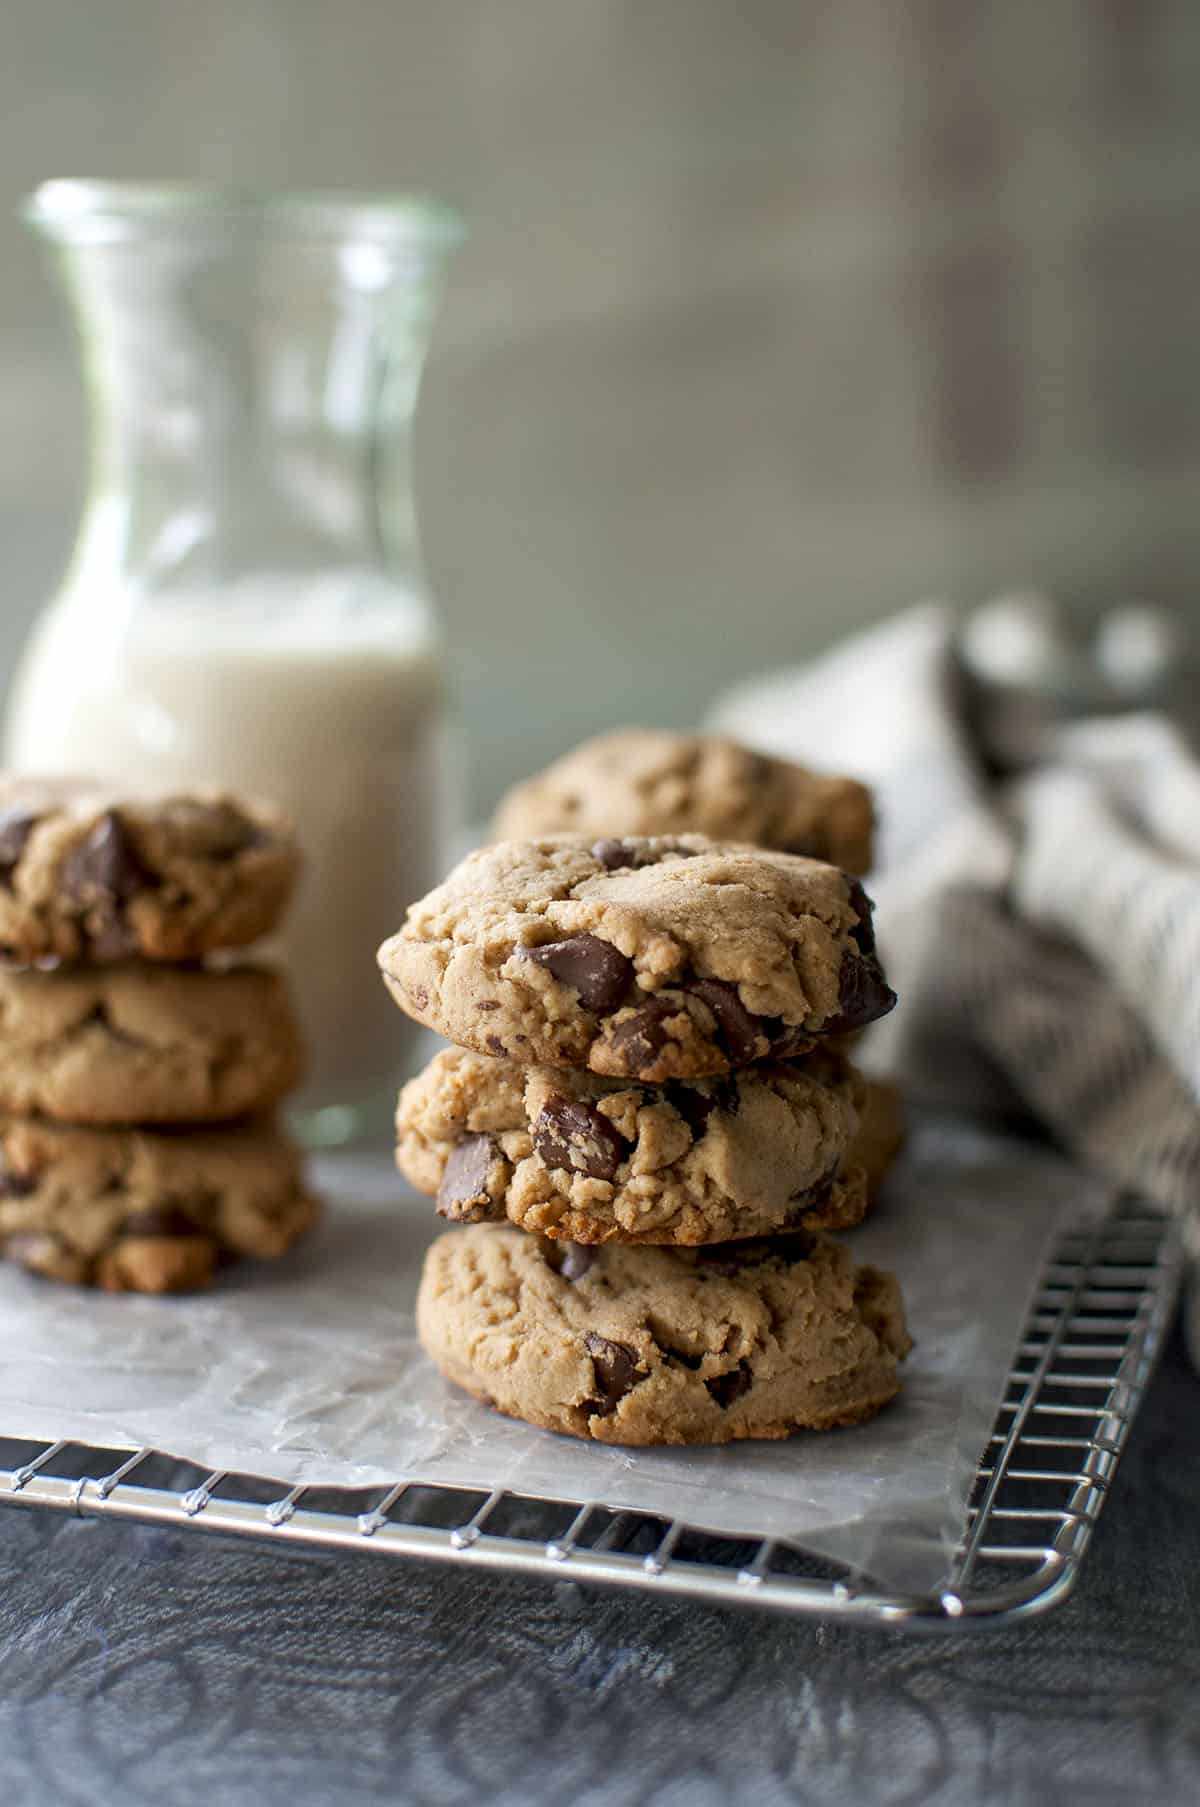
x=652 y=959
x=144 y=1210
x=596 y=1160
x=86 y=875
x=656 y=1345
x=648 y=781
x=146 y=1044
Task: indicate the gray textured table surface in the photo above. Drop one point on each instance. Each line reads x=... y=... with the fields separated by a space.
x=140 y=1665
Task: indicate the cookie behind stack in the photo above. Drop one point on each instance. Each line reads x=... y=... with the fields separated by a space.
x=646 y=1022
x=652 y=781
x=137 y=1148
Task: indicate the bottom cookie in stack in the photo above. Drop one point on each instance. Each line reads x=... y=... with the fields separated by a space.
x=147 y=1210
x=643 y=1345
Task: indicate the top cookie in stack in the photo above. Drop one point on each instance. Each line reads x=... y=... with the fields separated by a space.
x=648 y=1020
x=115 y=1036
x=658 y=958
x=86 y=876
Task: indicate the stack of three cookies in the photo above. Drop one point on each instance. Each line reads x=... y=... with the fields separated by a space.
x=649 y=1126
x=137 y=1075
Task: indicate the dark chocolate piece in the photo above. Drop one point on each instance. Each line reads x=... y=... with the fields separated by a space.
x=160 y=1220
x=816 y=1194
x=101 y=875
x=16 y=826
x=641 y=1038
x=14 y=1184
x=696 y=1105
x=576 y=1135
x=740 y=1032
x=614 y=1366
x=617 y=856
x=787 y=1039
x=462 y=1195
x=864 y=909
x=595 y=969
x=725 y=1388
x=104 y=868
x=612 y=855
x=577 y=1257
x=730 y=1258
x=864 y=995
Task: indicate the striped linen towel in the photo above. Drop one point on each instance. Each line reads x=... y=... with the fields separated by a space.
x=1043 y=930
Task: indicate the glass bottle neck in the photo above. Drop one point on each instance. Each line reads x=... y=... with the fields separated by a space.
x=251 y=408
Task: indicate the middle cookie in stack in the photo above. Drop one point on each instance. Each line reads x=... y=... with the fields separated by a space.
x=641 y=1025
x=567 y=1154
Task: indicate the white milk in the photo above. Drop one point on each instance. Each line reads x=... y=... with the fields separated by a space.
x=324 y=695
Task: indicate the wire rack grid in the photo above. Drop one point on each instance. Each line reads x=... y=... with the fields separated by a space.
x=1078 y=1376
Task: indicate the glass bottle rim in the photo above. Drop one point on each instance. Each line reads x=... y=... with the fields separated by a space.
x=85 y=211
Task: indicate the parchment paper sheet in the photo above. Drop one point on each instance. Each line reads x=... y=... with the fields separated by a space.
x=309 y=1370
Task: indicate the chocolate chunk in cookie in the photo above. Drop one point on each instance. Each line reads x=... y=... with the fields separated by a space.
x=727 y=1388
x=103 y=869
x=864 y=995
x=740 y=1032
x=463 y=1194
x=160 y=1220
x=15 y=1184
x=735 y=1257
x=570 y=1260
x=570 y=1133
x=598 y=972
x=615 y=1368
x=576 y=1260
x=16 y=826
x=639 y=1038
x=612 y=855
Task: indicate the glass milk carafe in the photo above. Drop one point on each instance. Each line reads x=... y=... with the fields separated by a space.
x=245 y=605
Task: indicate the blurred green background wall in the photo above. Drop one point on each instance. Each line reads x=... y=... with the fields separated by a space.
x=774 y=316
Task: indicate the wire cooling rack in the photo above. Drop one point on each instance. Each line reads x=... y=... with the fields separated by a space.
x=1077 y=1379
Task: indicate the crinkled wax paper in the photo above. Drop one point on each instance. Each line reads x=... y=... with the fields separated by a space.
x=309 y=1370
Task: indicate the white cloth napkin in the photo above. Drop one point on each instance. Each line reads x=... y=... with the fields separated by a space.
x=1043 y=932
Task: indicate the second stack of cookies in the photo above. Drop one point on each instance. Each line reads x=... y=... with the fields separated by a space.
x=646 y=1097
x=138 y=1076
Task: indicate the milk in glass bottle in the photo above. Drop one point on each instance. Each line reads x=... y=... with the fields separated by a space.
x=245 y=604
